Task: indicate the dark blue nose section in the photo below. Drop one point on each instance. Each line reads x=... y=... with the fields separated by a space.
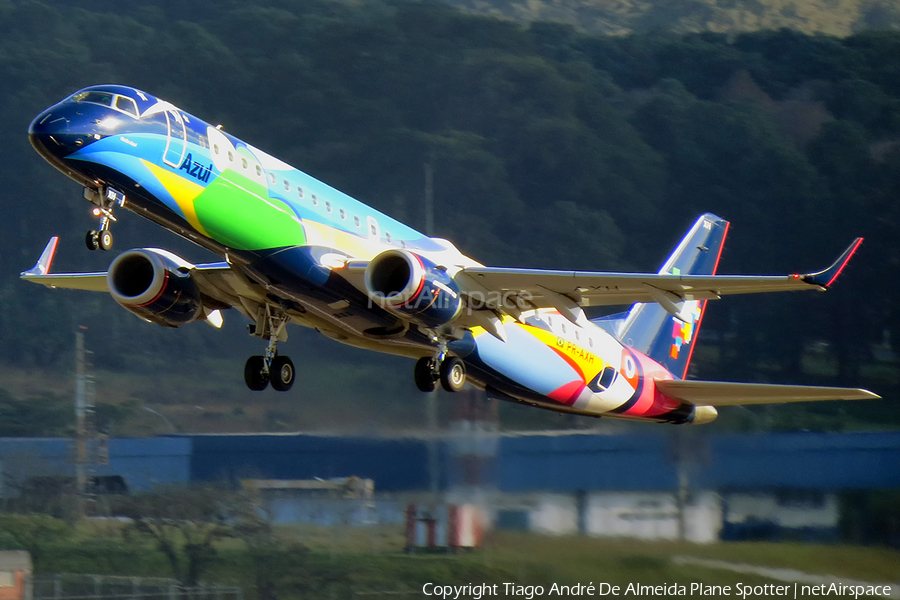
x=58 y=132
x=68 y=127
x=47 y=133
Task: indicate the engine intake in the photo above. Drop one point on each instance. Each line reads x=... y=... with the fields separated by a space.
x=413 y=287
x=154 y=287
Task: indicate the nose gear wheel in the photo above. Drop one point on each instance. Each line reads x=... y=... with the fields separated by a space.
x=104 y=201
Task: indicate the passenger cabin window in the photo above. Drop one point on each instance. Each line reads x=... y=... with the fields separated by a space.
x=315 y=200
x=272 y=178
x=356 y=221
x=328 y=206
x=287 y=185
x=300 y=191
x=258 y=171
x=215 y=148
x=244 y=163
x=127 y=105
x=230 y=156
x=387 y=236
x=343 y=214
x=373 y=229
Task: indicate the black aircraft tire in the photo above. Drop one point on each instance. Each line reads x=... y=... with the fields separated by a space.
x=453 y=374
x=92 y=239
x=424 y=375
x=281 y=373
x=254 y=377
x=105 y=239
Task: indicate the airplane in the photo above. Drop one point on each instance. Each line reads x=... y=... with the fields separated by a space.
x=296 y=250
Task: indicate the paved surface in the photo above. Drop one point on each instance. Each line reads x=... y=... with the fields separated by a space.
x=787 y=575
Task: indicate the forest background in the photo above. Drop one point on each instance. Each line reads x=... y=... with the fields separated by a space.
x=553 y=144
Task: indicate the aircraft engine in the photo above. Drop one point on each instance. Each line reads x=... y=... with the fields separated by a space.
x=413 y=287
x=154 y=287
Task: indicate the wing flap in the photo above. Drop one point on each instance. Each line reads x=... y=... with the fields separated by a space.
x=718 y=393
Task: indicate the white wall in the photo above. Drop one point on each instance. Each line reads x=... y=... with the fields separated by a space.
x=785 y=510
x=653 y=516
x=554 y=514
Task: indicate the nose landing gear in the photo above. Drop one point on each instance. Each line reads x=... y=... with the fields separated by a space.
x=104 y=201
x=260 y=371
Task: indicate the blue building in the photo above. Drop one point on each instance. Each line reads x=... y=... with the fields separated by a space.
x=683 y=482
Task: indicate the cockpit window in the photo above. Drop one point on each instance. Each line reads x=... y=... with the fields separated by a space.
x=127 y=105
x=115 y=101
x=103 y=98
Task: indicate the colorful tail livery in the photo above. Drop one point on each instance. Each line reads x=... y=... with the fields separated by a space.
x=666 y=331
x=297 y=251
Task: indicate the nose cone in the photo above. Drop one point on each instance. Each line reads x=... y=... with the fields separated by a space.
x=65 y=129
x=51 y=136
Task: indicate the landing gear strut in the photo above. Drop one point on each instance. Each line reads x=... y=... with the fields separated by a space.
x=104 y=202
x=260 y=371
x=449 y=370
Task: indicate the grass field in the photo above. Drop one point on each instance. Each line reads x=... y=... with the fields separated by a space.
x=343 y=562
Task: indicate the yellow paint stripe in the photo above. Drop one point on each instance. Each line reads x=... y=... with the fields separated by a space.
x=183 y=192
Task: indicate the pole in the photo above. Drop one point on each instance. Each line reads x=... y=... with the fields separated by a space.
x=429 y=198
x=80 y=423
x=431 y=399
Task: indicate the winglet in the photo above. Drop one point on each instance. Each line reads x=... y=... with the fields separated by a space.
x=825 y=278
x=42 y=266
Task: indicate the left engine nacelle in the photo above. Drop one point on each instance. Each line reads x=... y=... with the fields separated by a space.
x=413 y=287
x=154 y=287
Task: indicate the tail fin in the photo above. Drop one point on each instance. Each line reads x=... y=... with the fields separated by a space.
x=651 y=328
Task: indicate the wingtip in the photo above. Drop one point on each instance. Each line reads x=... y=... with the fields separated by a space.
x=42 y=266
x=825 y=278
x=867 y=395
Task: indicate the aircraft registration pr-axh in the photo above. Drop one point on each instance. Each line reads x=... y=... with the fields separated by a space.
x=296 y=250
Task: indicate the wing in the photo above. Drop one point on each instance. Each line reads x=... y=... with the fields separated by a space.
x=568 y=291
x=717 y=393
x=215 y=280
x=40 y=273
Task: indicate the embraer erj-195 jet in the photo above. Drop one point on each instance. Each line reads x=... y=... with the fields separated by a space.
x=298 y=251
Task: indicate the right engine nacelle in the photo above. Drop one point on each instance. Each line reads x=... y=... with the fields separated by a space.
x=413 y=287
x=153 y=286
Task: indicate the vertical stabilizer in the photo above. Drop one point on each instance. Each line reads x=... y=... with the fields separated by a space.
x=651 y=328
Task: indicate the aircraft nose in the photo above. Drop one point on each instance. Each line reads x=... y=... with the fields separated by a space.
x=53 y=134
x=48 y=132
x=49 y=122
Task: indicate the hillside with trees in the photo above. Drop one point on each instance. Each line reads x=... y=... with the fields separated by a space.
x=551 y=148
x=621 y=17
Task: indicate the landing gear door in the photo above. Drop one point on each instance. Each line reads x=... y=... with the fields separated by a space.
x=176 y=142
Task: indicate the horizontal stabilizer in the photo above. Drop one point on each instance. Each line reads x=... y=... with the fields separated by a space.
x=717 y=393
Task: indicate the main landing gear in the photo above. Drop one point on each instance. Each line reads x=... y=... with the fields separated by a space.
x=449 y=370
x=260 y=371
x=104 y=201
